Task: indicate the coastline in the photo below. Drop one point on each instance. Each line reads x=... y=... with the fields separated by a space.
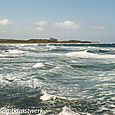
x=42 y=41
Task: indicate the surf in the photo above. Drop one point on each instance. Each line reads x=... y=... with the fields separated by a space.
x=89 y=54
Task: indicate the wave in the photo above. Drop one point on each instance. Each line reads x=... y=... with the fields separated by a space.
x=51 y=47
x=45 y=48
x=87 y=54
x=46 y=96
x=31 y=83
x=59 y=106
x=9 y=81
x=44 y=66
x=67 y=111
x=34 y=49
x=16 y=52
x=11 y=53
x=100 y=50
x=37 y=48
x=38 y=65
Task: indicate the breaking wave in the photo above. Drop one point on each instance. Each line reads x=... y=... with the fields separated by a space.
x=67 y=111
x=38 y=65
x=19 y=82
x=89 y=54
x=11 y=53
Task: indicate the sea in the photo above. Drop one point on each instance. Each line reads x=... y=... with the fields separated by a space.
x=57 y=79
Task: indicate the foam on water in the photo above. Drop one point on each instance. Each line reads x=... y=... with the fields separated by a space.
x=113 y=98
x=38 y=65
x=46 y=96
x=28 y=48
x=37 y=48
x=67 y=111
x=51 y=47
x=18 y=82
x=16 y=52
x=85 y=54
x=12 y=53
x=32 y=83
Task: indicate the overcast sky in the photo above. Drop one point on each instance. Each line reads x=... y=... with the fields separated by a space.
x=92 y=20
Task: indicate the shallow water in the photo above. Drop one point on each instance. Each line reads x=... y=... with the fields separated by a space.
x=64 y=79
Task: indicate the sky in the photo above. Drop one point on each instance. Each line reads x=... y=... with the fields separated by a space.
x=92 y=20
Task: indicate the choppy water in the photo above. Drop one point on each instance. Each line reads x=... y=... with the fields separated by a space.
x=60 y=79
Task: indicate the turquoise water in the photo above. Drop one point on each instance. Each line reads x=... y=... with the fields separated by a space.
x=60 y=79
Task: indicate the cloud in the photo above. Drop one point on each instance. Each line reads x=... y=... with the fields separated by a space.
x=70 y=25
x=98 y=27
x=41 y=25
x=65 y=25
x=4 y=22
x=40 y=28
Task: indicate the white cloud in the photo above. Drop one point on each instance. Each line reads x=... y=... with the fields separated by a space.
x=70 y=25
x=98 y=27
x=65 y=25
x=40 y=28
x=41 y=25
x=4 y=22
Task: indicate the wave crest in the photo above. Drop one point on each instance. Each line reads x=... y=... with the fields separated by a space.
x=86 y=54
x=11 y=53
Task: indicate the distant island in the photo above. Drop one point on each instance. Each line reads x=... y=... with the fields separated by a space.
x=50 y=40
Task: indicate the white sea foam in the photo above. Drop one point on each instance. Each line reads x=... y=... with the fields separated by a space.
x=67 y=111
x=38 y=65
x=85 y=54
x=16 y=52
x=51 y=47
x=46 y=96
x=41 y=113
x=18 y=82
x=12 y=53
x=3 y=82
x=6 y=80
x=38 y=48
x=32 y=83
x=29 y=48
x=83 y=113
x=113 y=98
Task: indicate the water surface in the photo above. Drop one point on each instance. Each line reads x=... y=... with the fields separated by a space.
x=59 y=78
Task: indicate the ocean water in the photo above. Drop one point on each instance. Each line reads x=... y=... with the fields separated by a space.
x=57 y=79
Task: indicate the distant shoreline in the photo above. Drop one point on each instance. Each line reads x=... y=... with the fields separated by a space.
x=51 y=40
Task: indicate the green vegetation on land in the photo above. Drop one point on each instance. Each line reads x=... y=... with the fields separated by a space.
x=51 y=40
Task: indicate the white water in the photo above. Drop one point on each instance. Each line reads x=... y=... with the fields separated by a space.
x=38 y=65
x=12 y=81
x=46 y=96
x=12 y=53
x=85 y=54
x=67 y=111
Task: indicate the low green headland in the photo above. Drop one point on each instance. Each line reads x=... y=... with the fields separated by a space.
x=51 y=40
